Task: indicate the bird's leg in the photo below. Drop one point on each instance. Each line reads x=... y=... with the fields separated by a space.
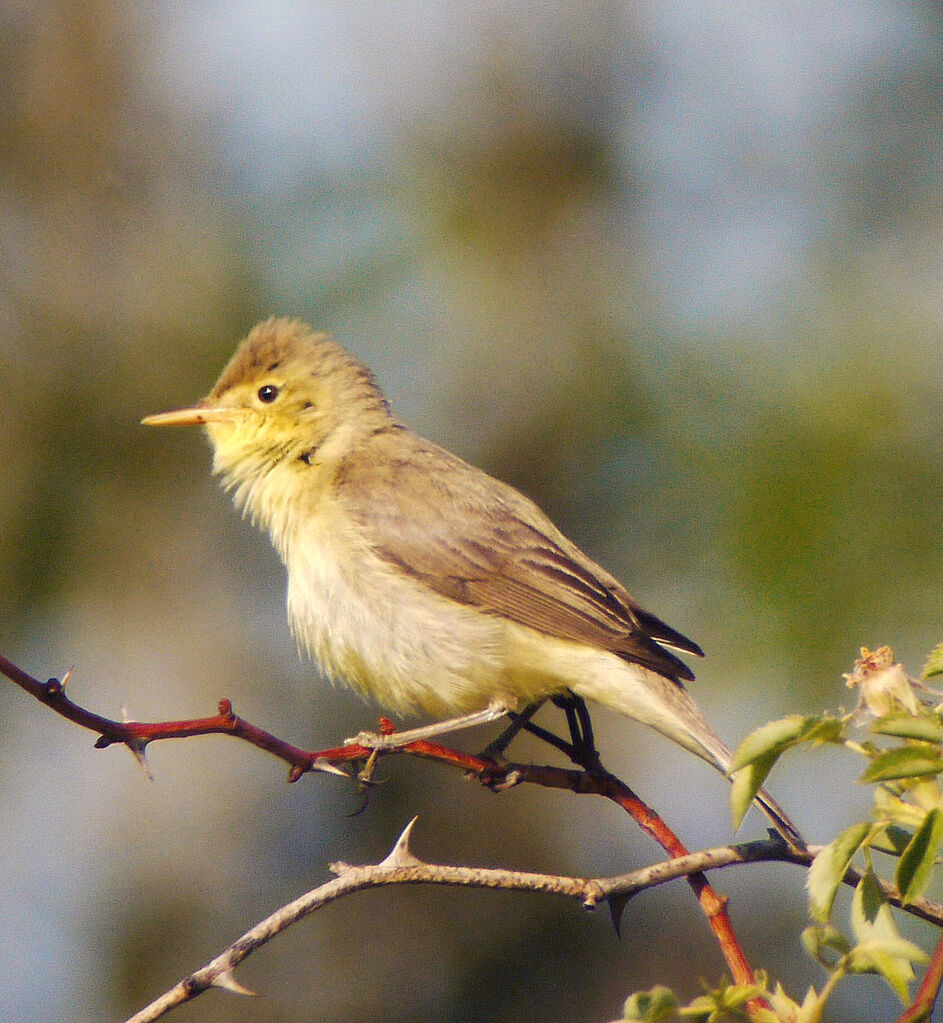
x=372 y=740
x=586 y=725
x=496 y=748
x=578 y=721
x=568 y=705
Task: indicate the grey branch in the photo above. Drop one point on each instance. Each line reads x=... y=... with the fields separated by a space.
x=402 y=867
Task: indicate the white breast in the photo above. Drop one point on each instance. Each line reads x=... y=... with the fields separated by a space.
x=382 y=632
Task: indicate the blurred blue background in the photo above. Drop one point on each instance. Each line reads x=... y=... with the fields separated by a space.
x=671 y=268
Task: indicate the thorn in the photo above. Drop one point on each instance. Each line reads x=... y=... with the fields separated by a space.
x=775 y=837
x=327 y=767
x=400 y=855
x=617 y=904
x=125 y=716
x=227 y=981
x=64 y=681
x=138 y=749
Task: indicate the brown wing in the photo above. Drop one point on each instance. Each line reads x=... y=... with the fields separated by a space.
x=478 y=541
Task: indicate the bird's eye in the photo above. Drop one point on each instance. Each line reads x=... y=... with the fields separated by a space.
x=267 y=393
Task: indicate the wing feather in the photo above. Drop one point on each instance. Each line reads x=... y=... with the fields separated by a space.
x=494 y=549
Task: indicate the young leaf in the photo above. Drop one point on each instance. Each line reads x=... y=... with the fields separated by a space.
x=892 y=807
x=918 y=859
x=651 y=1006
x=927 y=726
x=871 y=917
x=771 y=740
x=889 y=957
x=783 y=1006
x=746 y=783
x=934 y=665
x=813 y=1005
x=825 y=944
x=892 y=840
x=828 y=868
x=825 y=729
x=903 y=762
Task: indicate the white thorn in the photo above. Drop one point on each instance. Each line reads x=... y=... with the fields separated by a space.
x=400 y=855
x=227 y=981
x=328 y=768
x=138 y=752
x=64 y=681
x=125 y=716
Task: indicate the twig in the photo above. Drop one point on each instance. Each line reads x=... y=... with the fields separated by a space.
x=402 y=867
x=137 y=734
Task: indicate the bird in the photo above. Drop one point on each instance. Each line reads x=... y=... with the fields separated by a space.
x=417 y=579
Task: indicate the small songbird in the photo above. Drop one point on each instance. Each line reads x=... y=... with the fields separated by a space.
x=418 y=579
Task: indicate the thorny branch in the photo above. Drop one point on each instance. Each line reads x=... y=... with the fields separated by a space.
x=402 y=867
x=591 y=779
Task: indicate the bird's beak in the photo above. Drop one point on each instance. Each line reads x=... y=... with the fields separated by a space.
x=193 y=415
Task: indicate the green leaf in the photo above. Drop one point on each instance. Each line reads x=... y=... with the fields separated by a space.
x=934 y=665
x=746 y=783
x=903 y=762
x=703 y=1008
x=826 y=729
x=901 y=812
x=880 y=949
x=892 y=840
x=919 y=858
x=828 y=868
x=825 y=944
x=761 y=1015
x=728 y=1002
x=771 y=740
x=871 y=917
x=651 y=1006
x=813 y=1005
x=783 y=1006
x=892 y=958
x=927 y=727
x=760 y=750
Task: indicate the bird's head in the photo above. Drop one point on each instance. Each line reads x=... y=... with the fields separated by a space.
x=289 y=398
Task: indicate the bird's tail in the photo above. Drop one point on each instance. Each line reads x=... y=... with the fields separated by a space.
x=718 y=755
x=780 y=820
x=667 y=707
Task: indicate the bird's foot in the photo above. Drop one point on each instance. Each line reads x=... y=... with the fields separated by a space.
x=391 y=739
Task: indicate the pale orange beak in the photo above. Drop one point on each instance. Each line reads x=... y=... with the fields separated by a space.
x=193 y=415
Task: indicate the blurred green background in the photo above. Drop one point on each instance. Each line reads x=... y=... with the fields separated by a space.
x=671 y=268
